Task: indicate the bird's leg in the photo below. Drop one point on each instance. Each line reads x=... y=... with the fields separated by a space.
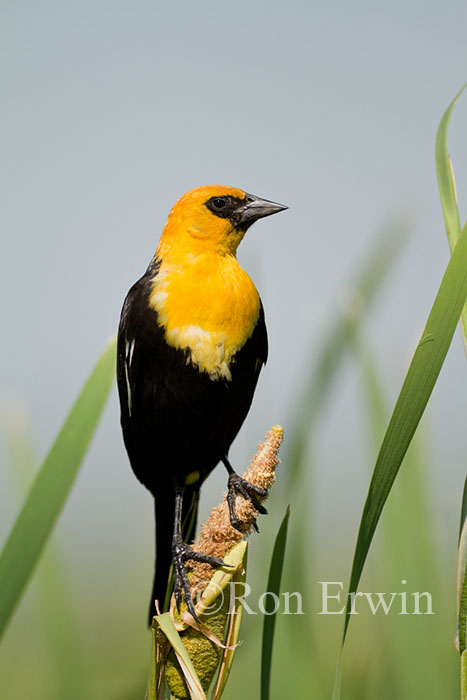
x=249 y=491
x=181 y=553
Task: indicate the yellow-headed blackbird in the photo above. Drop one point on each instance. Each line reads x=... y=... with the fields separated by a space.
x=191 y=344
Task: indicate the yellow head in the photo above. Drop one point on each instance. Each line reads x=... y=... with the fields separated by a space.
x=213 y=218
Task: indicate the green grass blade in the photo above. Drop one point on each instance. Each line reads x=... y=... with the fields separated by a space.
x=231 y=636
x=152 y=684
x=416 y=390
x=414 y=396
x=462 y=577
x=447 y=191
x=464 y=675
x=422 y=375
x=195 y=688
x=53 y=593
x=462 y=614
x=463 y=509
x=274 y=584
x=447 y=188
x=407 y=528
x=51 y=487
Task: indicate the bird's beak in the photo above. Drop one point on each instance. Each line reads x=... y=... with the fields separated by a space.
x=256 y=208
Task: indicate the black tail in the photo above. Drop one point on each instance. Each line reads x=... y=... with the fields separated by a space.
x=165 y=511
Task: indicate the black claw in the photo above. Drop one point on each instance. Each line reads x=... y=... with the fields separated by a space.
x=181 y=553
x=257 y=489
x=177 y=592
x=234 y=521
x=237 y=524
x=249 y=491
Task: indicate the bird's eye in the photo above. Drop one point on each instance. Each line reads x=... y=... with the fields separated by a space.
x=218 y=203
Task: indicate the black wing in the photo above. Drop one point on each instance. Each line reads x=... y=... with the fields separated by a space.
x=139 y=345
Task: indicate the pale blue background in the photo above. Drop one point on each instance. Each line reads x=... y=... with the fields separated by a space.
x=112 y=110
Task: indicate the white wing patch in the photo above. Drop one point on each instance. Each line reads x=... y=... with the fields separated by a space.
x=129 y=348
x=132 y=347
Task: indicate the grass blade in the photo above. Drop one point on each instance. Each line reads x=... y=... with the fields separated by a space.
x=446 y=185
x=415 y=393
x=62 y=640
x=416 y=390
x=447 y=191
x=464 y=675
x=231 y=636
x=461 y=634
x=51 y=487
x=274 y=584
x=463 y=509
x=407 y=528
x=193 y=683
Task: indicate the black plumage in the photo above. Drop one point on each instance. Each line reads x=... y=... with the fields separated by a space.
x=176 y=419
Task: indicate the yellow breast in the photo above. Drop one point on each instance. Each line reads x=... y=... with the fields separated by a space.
x=208 y=306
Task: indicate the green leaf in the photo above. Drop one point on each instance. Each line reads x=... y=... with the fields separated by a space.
x=222 y=576
x=407 y=527
x=52 y=486
x=463 y=509
x=462 y=578
x=191 y=677
x=447 y=191
x=446 y=185
x=274 y=584
x=464 y=675
x=415 y=393
x=462 y=614
x=416 y=390
x=231 y=635
x=61 y=640
x=151 y=689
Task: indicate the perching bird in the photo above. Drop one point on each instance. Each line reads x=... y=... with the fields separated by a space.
x=191 y=344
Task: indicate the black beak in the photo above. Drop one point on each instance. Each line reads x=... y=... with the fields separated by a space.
x=256 y=208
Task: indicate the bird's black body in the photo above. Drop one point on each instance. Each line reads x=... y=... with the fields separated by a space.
x=177 y=421
x=191 y=344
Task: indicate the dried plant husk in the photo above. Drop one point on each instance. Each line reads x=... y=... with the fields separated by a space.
x=211 y=644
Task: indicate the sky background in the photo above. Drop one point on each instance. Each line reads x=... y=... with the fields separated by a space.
x=112 y=110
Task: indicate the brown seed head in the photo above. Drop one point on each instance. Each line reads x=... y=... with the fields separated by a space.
x=217 y=536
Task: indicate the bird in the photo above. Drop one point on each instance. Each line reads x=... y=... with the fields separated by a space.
x=191 y=343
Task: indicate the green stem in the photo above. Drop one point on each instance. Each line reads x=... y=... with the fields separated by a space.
x=463 y=615
x=464 y=675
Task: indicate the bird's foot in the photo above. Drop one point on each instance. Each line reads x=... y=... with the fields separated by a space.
x=181 y=553
x=237 y=485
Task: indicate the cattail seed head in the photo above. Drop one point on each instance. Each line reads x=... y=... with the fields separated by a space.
x=218 y=538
